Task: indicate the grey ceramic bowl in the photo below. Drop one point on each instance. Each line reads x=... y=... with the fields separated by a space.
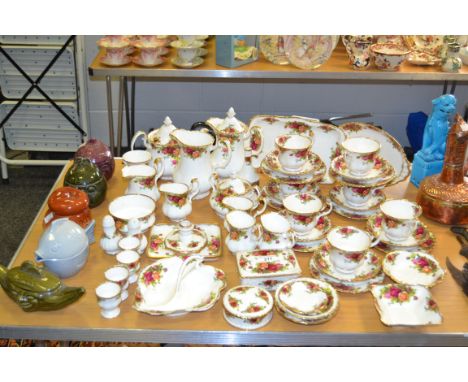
x=66 y=267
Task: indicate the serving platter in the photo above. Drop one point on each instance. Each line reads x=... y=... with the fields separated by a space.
x=326 y=138
x=431 y=44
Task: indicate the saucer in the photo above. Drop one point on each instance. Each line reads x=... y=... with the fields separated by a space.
x=370 y=267
x=336 y=195
x=351 y=213
x=197 y=61
x=157 y=249
x=417 y=268
x=202 y=52
x=105 y=60
x=313 y=170
x=421 y=238
x=346 y=286
x=382 y=173
x=137 y=60
x=401 y=304
x=314 y=238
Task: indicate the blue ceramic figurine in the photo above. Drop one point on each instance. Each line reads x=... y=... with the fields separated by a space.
x=430 y=159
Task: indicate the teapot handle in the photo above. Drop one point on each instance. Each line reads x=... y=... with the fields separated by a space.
x=159 y=166
x=256 y=147
x=194 y=188
x=227 y=154
x=135 y=137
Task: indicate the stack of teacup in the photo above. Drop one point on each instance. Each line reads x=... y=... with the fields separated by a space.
x=397 y=226
x=151 y=50
x=346 y=260
x=117 y=50
x=361 y=174
x=189 y=51
x=294 y=172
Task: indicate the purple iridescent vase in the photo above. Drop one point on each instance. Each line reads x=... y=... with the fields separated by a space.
x=99 y=153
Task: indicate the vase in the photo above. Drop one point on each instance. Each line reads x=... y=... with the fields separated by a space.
x=100 y=155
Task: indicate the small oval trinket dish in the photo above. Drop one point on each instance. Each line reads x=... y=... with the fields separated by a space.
x=248 y=307
x=413 y=267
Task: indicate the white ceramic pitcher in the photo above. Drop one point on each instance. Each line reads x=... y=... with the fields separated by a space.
x=196 y=160
x=143 y=179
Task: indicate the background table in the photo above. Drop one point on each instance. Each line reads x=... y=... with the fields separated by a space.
x=357 y=321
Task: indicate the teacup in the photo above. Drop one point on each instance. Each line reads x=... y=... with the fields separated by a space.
x=348 y=245
x=135 y=157
x=276 y=232
x=130 y=259
x=109 y=298
x=294 y=150
x=241 y=203
x=303 y=211
x=241 y=227
x=187 y=50
x=389 y=56
x=358 y=196
x=116 y=55
x=149 y=55
x=359 y=154
x=119 y=274
x=399 y=218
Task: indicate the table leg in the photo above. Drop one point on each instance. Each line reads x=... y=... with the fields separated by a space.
x=120 y=116
x=133 y=106
x=3 y=167
x=109 y=114
x=127 y=113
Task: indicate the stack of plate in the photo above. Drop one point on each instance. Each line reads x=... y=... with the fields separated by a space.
x=306 y=301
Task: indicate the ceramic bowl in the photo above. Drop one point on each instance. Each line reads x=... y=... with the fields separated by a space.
x=132 y=206
x=66 y=267
x=135 y=157
x=248 y=307
x=389 y=56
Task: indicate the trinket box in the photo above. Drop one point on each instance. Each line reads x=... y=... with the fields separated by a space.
x=267 y=268
x=248 y=307
x=238 y=50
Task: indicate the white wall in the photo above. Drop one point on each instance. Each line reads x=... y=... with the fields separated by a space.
x=188 y=102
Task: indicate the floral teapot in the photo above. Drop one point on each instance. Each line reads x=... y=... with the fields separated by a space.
x=196 y=159
x=237 y=133
x=160 y=144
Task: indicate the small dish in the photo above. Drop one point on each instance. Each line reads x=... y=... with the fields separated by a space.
x=381 y=173
x=402 y=304
x=138 y=61
x=185 y=243
x=423 y=59
x=389 y=57
x=106 y=60
x=248 y=307
x=197 y=61
x=267 y=268
x=133 y=206
x=157 y=249
x=306 y=300
x=336 y=194
x=417 y=268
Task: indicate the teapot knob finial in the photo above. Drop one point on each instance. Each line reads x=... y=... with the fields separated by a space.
x=167 y=121
x=231 y=113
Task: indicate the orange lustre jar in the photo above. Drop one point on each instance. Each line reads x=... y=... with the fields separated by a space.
x=68 y=202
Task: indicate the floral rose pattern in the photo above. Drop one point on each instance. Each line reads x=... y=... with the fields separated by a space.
x=177 y=201
x=346 y=232
x=269 y=267
x=398 y=293
x=432 y=305
x=146 y=183
x=153 y=275
x=423 y=264
x=302 y=219
x=270 y=120
x=194 y=153
x=299 y=127
x=156 y=241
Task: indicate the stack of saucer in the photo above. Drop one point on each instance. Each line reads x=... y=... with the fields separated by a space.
x=292 y=167
x=346 y=261
x=189 y=52
x=306 y=213
x=398 y=228
x=362 y=173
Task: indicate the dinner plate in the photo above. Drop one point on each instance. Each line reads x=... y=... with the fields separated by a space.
x=272 y=48
x=431 y=44
x=308 y=51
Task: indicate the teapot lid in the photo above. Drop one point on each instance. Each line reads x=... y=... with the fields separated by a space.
x=231 y=124
x=161 y=135
x=62 y=239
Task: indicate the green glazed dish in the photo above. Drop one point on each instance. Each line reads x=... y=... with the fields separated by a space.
x=34 y=288
x=86 y=176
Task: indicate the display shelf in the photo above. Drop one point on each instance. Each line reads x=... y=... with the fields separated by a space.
x=336 y=68
x=356 y=323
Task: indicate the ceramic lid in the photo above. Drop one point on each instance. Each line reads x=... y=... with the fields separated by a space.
x=248 y=302
x=402 y=304
x=62 y=239
x=186 y=240
x=162 y=135
x=413 y=267
x=349 y=239
x=303 y=203
x=262 y=263
x=231 y=124
x=307 y=297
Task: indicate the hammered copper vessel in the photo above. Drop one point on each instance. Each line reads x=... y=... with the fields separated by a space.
x=444 y=196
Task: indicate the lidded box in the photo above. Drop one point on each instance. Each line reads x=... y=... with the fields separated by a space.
x=236 y=50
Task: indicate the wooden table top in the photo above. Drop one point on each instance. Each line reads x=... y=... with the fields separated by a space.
x=336 y=68
x=357 y=321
